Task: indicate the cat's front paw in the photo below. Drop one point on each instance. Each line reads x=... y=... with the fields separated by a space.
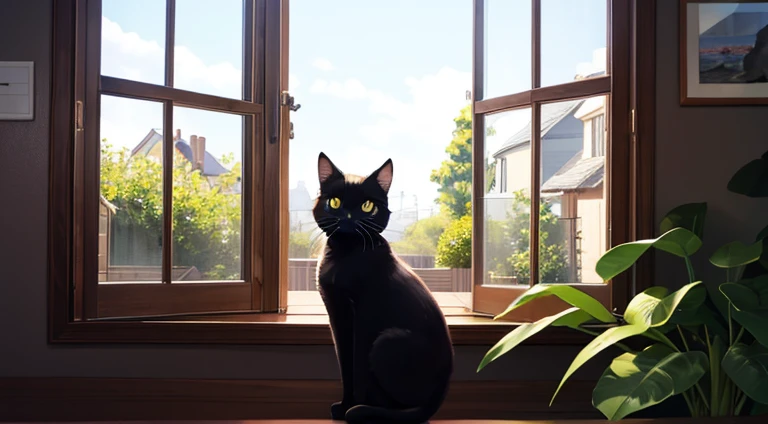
x=339 y=411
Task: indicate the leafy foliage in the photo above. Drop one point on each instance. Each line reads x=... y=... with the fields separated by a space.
x=421 y=237
x=717 y=353
x=553 y=257
x=454 y=248
x=455 y=174
x=206 y=214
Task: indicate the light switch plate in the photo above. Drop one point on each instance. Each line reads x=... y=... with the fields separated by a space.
x=17 y=91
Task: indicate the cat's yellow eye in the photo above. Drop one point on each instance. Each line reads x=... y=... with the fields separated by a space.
x=367 y=206
x=335 y=202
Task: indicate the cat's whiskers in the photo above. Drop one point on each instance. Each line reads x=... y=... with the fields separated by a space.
x=327 y=219
x=373 y=224
x=337 y=229
x=361 y=235
x=373 y=245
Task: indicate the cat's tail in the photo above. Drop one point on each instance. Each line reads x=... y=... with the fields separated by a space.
x=416 y=415
x=375 y=414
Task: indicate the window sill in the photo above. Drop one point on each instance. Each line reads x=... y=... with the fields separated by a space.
x=281 y=329
x=305 y=323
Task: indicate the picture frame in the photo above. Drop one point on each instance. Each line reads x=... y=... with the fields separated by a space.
x=723 y=52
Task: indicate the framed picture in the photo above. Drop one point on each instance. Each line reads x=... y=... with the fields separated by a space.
x=723 y=52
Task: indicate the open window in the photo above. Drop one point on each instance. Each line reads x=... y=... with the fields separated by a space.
x=551 y=148
x=172 y=204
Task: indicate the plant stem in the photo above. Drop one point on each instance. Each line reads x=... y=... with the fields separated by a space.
x=698 y=387
x=662 y=338
x=740 y=404
x=738 y=336
x=621 y=346
x=682 y=337
x=730 y=326
x=714 y=376
x=690 y=405
x=689 y=265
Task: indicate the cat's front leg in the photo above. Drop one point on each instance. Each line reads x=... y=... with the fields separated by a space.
x=362 y=367
x=340 y=316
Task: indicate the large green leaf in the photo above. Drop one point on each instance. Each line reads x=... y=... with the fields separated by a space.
x=637 y=381
x=690 y=216
x=640 y=308
x=568 y=294
x=572 y=317
x=748 y=368
x=759 y=285
x=678 y=241
x=741 y=297
x=654 y=307
x=752 y=179
x=736 y=254
x=755 y=321
x=598 y=344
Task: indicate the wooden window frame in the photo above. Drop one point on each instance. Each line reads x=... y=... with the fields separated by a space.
x=616 y=86
x=270 y=326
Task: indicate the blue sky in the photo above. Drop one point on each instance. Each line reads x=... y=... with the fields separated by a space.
x=376 y=80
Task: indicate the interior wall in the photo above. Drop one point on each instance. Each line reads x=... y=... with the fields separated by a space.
x=698 y=149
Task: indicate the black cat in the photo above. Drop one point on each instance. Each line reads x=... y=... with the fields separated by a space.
x=392 y=342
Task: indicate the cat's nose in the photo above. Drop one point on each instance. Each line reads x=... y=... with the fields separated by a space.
x=349 y=215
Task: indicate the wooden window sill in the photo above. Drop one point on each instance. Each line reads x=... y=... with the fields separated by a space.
x=305 y=323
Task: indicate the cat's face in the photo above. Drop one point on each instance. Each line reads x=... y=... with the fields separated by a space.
x=349 y=204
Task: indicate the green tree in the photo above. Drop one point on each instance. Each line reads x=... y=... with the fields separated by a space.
x=421 y=237
x=454 y=248
x=553 y=257
x=206 y=214
x=455 y=174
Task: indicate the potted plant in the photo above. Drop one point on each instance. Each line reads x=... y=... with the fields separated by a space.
x=707 y=343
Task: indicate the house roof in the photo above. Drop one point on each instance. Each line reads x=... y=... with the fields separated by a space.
x=211 y=166
x=551 y=114
x=577 y=174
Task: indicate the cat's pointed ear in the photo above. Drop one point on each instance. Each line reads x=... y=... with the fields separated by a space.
x=326 y=170
x=383 y=175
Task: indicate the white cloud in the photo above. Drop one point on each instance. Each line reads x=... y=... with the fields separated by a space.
x=427 y=116
x=127 y=55
x=597 y=64
x=323 y=64
x=125 y=122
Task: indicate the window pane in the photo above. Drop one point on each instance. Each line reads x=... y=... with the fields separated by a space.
x=207 y=203
x=208 y=55
x=507 y=199
x=573 y=40
x=133 y=40
x=398 y=103
x=507 y=47
x=572 y=221
x=131 y=202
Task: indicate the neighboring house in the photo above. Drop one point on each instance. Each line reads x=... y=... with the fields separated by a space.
x=579 y=183
x=561 y=139
x=192 y=150
x=572 y=156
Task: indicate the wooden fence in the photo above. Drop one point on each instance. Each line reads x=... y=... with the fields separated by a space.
x=302 y=277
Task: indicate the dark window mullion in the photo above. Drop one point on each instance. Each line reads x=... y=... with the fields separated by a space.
x=536 y=44
x=168 y=144
x=533 y=238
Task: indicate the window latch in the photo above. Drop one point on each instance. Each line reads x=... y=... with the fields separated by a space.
x=288 y=100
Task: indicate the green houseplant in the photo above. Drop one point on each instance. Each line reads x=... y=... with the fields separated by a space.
x=705 y=342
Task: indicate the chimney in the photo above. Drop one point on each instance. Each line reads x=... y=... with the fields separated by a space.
x=200 y=158
x=177 y=136
x=194 y=142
